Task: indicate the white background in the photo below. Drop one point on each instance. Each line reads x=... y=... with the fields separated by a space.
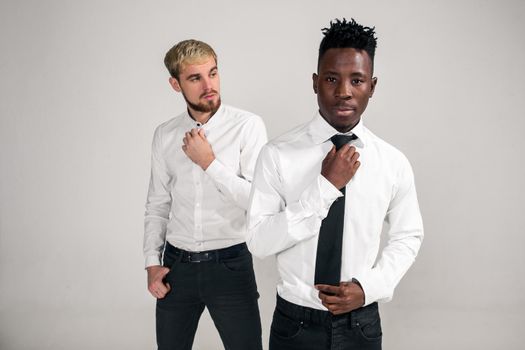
x=82 y=87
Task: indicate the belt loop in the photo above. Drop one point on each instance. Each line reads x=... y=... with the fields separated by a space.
x=308 y=316
x=352 y=319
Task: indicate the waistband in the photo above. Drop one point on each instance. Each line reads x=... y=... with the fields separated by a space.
x=208 y=255
x=363 y=315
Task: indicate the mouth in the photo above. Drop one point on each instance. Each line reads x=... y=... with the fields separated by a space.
x=345 y=109
x=209 y=96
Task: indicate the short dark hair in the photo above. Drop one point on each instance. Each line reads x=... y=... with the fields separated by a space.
x=348 y=34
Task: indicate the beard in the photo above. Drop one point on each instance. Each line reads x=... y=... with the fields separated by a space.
x=204 y=107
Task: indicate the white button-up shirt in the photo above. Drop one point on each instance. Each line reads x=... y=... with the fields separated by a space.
x=199 y=210
x=290 y=198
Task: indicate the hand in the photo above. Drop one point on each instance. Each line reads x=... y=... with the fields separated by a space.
x=340 y=166
x=156 y=286
x=197 y=148
x=346 y=297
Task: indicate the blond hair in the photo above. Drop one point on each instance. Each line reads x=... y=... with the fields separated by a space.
x=187 y=52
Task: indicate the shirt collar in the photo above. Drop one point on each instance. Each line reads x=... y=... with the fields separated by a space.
x=321 y=131
x=215 y=119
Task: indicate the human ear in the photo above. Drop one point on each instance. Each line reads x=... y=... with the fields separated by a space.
x=175 y=84
x=373 y=86
x=315 y=80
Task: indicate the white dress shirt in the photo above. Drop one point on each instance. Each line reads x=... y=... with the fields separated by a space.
x=199 y=210
x=290 y=198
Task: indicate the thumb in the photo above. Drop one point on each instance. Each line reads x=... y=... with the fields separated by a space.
x=331 y=153
x=202 y=133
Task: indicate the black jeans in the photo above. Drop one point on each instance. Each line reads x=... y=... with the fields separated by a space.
x=296 y=327
x=225 y=286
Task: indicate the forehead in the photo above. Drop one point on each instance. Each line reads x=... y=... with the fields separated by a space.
x=345 y=59
x=197 y=65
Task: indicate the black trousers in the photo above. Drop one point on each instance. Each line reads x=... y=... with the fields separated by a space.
x=296 y=327
x=225 y=286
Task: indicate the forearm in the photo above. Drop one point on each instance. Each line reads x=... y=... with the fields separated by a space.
x=405 y=236
x=396 y=258
x=233 y=186
x=271 y=232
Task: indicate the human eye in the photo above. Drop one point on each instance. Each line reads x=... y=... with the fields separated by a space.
x=195 y=78
x=357 y=81
x=213 y=74
x=330 y=79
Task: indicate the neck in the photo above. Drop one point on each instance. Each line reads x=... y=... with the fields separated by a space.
x=344 y=130
x=201 y=117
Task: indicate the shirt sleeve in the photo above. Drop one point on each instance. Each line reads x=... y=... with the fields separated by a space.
x=237 y=186
x=158 y=204
x=275 y=225
x=405 y=234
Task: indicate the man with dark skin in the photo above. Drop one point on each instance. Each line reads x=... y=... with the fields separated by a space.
x=343 y=86
x=332 y=183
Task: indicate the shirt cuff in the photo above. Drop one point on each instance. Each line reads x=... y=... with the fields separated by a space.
x=373 y=287
x=215 y=169
x=328 y=194
x=152 y=260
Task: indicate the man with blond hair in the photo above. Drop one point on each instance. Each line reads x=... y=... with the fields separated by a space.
x=195 y=223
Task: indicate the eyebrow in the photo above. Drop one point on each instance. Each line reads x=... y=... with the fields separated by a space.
x=354 y=74
x=191 y=76
x=196 y=75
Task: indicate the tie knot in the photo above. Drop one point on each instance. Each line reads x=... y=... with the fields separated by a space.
x=341 y=140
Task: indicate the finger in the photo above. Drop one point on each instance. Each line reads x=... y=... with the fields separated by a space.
x=343 y=151
x=184 y=148
x=334 y=309
x=194 y=132
x=357 y=165
x=327 y=288
x=154 y=292
x=161 y=289
x=164 y=271
x=330 y=299
x=202 y=133
x=355 y=157
x=331 y=154
x=337 y=311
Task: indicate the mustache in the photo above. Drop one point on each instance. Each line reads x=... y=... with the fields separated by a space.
x=209 y=92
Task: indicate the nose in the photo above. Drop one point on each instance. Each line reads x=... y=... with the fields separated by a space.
x=344 y=89
x=206 y=84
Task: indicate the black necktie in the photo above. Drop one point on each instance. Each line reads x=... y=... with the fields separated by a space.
x=330 y=243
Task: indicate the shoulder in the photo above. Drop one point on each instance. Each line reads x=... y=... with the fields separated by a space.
x=241 y=116
x=170 y=125
x=387 y=152
x=292 y=138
